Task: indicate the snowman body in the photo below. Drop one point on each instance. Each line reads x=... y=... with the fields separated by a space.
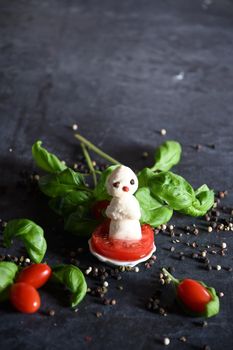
x=123 y=210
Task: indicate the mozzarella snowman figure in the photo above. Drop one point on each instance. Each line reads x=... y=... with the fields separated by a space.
x=123 y=210
x=120 y=239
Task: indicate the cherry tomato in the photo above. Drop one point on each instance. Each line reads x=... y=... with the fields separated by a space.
x=24 y=298
x=98 y=209
x=122 y=250
x=193 y=295
x=36 y=275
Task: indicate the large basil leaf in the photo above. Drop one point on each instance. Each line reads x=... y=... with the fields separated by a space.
x=73 y=279
x=70 y=202
x=153 y=211
x=8 y=271
x=203 y=202
x=144 y=177
x=30 y=233
x=100 y=191
x=46 y=160
x=59 y=184
x=173 y=189
x=80 y=223
x=167 y=155
x=146 y=200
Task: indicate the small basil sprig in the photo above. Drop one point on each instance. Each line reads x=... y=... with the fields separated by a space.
x=30 y=233
x=73 y=279
x=173 y=189
x=167 y=155
x=46 y=160
x=8 y=271
x=59 y=184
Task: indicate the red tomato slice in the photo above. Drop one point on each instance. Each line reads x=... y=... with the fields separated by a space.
x=122 y=250
x=98 y=209
x=24 y=298
x=36 y=275
x=193 y=295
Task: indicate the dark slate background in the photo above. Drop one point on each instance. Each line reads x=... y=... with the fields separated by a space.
x=113 y=67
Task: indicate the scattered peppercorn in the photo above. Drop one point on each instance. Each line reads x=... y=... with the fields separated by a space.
x=183 y=339
x=145 y=155
x=75 y=127
x=166 y=341
x=51 y=312
x=163 y=132
x=206 y=347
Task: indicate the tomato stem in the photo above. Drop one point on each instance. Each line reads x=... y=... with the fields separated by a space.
x=173 y=279
x=96 y=149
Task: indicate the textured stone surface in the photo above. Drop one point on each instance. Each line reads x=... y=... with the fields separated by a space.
x=121 y=70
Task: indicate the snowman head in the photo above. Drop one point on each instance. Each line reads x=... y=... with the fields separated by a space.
x=122 y=181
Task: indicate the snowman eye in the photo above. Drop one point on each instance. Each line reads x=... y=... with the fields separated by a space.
x=116 y=184
x=132 y=182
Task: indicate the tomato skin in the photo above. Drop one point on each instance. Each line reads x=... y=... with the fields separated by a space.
x=24 y=298
x=36 y=275
x=193 y=295
x=99 y=208
x=122 y=250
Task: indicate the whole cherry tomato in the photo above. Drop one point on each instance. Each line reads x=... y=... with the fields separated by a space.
x=194 y=295
x=98 y=209
x=24 y=298
x=36 y=275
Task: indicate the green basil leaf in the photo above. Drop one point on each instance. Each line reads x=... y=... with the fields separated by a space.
x=146 y=200
x=173 y=189
x=157 y=216
x=167 y=155
x=31 y=234
x=153 y=211
x=80 y=223
x=54 y=185
x=8 y=271
x=203 y=202
x=45 y=160
x=144 y=177
x=73 y=279
x=69 y=203
x=100 y=191
x=205 y=196
x=201 y=189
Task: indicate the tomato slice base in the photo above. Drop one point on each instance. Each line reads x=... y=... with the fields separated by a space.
x=121 y=252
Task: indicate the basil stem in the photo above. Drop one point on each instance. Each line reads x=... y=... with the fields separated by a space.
x=96 y=149
x=89 y=163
